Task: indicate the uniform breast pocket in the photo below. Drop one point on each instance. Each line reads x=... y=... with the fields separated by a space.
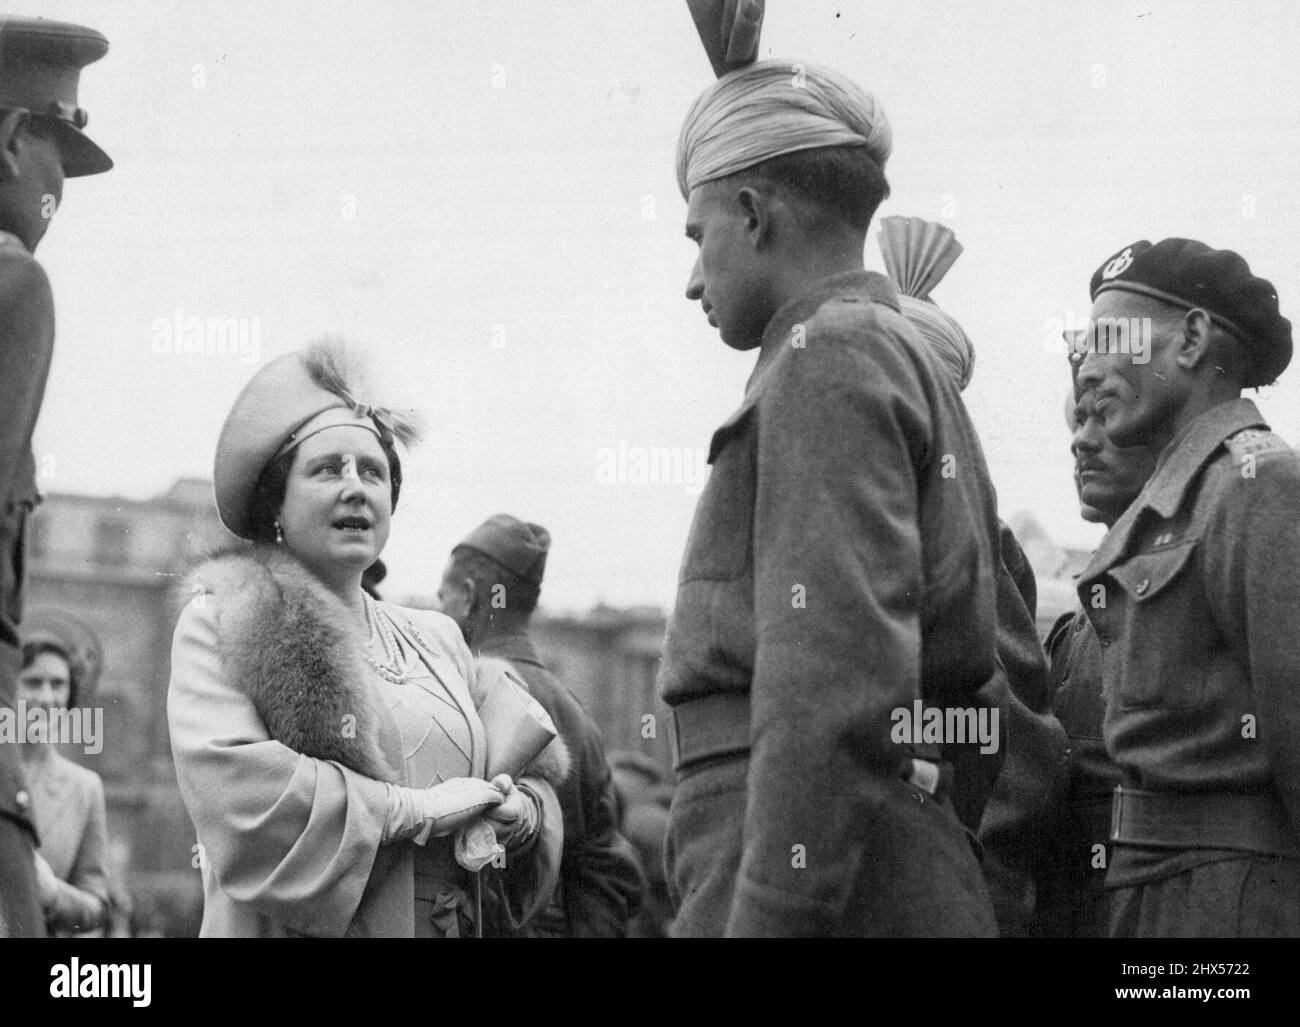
x=1165 y=629
x=722 y=533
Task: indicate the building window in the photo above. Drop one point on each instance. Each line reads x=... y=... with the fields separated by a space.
x=112 y=541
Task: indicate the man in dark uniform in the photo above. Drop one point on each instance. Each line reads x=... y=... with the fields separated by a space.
x=841 y=564
x=1194 y=600
x=1070 y=867
x=490 y=588
x=41 y=143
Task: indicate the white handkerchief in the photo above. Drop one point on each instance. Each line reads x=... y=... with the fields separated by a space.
x=477 y=845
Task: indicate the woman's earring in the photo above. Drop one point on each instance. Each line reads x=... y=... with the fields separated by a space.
x=279 y=534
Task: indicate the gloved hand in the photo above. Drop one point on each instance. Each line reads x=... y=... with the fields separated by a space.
x=47 y=882
x=418 y=813
x=516 y=820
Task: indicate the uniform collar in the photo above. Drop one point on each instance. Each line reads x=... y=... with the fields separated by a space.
x=852 y=285
x=1184 y=457
x=7 y=238
x=1180 y=462
x=510 y=645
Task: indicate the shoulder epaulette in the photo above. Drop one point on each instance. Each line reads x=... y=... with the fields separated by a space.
x=1255 y=442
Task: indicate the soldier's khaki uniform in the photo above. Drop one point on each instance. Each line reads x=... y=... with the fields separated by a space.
x=1070 y=871
x=840 y=566
x=1195 y=600
x=40 y=65
x=600 y=887
x=26 y=347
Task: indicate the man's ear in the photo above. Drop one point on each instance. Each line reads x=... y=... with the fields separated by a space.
x=756 y=208
x=11 y=127
x=1194 y=345
x=471 y=593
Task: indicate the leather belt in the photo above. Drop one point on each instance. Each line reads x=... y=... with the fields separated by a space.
x=717 y=726
x=1247 y=821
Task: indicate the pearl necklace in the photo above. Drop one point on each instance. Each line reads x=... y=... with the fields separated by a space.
x=393 y=669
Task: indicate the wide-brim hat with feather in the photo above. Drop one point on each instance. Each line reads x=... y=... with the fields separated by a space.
x=289 y=400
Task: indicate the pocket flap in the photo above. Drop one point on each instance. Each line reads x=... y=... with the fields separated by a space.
x=1148 y=574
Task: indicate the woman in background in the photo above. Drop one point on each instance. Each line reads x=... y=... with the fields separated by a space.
x=67 y=800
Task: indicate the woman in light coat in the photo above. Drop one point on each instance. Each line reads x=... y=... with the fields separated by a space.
x=67 y=800
x=328 y=747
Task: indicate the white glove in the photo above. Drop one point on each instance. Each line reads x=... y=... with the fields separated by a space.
x=419 y=813
x=517 y=818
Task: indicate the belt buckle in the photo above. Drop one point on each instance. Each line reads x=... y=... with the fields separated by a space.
x=1116 y=812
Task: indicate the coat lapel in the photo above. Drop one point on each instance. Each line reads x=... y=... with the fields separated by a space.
x=454 y=691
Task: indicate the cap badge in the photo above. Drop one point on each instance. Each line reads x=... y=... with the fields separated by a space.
x=1118 y=265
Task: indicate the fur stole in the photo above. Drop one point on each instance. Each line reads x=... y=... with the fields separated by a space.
x=284 y=642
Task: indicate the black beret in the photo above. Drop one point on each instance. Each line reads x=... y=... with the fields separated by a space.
x=1190 y=274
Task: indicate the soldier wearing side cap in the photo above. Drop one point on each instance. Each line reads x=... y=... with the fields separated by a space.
x=490 y=588
x=41 y=144
x=1193 y=597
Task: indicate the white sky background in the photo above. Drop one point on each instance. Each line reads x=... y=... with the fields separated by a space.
x=1047 y=136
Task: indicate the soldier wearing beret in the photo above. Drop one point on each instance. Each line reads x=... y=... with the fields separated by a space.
x=41 y=144
x=843 y=557
x=490 y=588
x=1193 y=597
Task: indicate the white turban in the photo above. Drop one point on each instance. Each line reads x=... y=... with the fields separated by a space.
x=917 y=255
x=772 y=108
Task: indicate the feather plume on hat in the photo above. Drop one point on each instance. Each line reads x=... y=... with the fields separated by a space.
x=918 y=253
x=339 y=368
x=288 y=400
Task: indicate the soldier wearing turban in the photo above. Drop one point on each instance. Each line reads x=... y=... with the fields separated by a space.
x=835 y=573
x=1023 y=784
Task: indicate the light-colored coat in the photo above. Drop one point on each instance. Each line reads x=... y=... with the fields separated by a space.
x=291 y=843
x=68 y=806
